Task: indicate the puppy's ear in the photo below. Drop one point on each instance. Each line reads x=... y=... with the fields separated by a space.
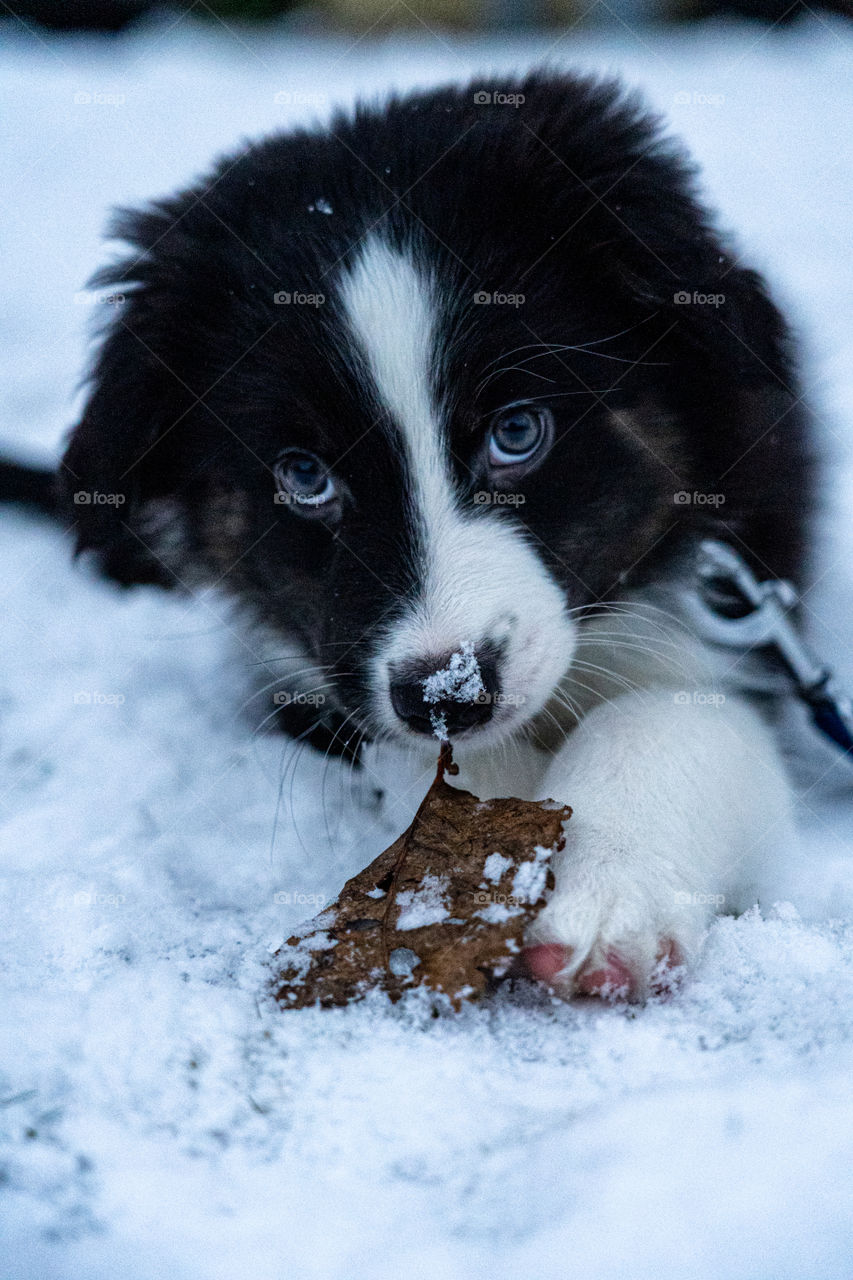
x=717 y=314
x=662 y=249
x=638 y=211
x=120 y=470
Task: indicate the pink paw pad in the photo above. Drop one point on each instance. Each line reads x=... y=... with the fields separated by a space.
x=613 y=980
x=546 y=960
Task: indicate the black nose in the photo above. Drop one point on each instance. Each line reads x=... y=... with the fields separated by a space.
x=454 y=711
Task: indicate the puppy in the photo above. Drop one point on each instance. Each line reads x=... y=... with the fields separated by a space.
x=445 y=393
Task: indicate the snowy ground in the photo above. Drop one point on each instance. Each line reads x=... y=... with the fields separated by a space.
x=158 y=1119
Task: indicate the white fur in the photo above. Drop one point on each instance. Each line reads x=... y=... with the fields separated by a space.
x=391 y=311
x=480 y=581
x=679 y=792
x=676 y=806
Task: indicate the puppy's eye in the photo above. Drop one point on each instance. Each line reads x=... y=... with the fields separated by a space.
x=304 y=482
x=517 y=434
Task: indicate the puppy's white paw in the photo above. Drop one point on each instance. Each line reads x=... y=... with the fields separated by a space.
x=616 y=926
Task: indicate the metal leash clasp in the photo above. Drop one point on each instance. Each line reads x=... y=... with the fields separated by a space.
x=731 y=607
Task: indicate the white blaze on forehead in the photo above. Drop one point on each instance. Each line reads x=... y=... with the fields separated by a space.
x=392 y=312
x=479 y=577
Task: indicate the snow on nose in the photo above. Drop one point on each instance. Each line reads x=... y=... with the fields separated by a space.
x=448 y=694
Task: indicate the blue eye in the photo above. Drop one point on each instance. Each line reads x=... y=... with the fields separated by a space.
x=517 y=434
x=303 y=481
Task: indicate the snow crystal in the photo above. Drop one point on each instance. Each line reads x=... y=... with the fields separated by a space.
x=438 y=721
x=402 y=961
x=424 y=905
x=498 y=912
x=494 y=867
x=320 y=206
x=459 y=681
x=531 y=877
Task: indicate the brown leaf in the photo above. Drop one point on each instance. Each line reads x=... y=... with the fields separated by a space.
x=446 y=905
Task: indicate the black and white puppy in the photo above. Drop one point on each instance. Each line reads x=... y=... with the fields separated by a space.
x=467 y=374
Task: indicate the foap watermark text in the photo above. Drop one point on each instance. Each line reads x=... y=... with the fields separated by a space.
x=698 y=698
x=283 y=698
x=684 y=498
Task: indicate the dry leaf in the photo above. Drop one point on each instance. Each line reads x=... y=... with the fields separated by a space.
x=445 y=906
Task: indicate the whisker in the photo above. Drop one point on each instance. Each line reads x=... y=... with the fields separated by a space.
x=353 y=761
x=327 y=760
x=597 y=692
x=561 y=729
x=283 y=657
x=583 y=346
x=541 y=349
x=633 y=607
x=630 y=609
x=286 y=767
x=509 y=368
x=594 y=669
x=274 y=831
x=622 y=640
x=550 y=395
x=298 y=745
x=293 y=675
x=272 y=714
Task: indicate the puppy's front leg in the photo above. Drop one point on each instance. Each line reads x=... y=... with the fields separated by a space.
x=676 y=799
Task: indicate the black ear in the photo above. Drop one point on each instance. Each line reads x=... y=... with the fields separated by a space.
x=629 y=195
x=715 y=313
x=128 y=472
x=121 y=469
x=114 y=466
x=669 y=257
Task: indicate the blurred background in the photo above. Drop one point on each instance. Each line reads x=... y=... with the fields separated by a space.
x=370 y=15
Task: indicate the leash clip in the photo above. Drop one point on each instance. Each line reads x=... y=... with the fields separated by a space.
x=732 y=608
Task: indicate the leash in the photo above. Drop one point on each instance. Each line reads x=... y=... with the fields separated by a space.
x=732 y=608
